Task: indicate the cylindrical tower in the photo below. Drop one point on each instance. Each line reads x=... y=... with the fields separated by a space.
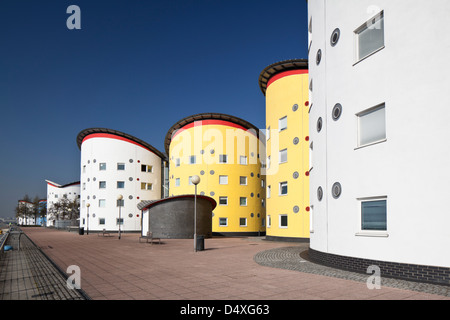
x=379 y=104
x=224 y=151
x=285 y=86
x=114 y=163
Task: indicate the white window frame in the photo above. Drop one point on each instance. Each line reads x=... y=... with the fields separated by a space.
x=242 y=225
x=117 y=184
x=246 y=202
x=269 y=190
x=365 y=26
x=223 y=198
x=100 y=167
x=243 y=160
x=120 y=164
x=269 y=221
x=371 y=233
x=361 y=114
x=280 y=153
x=282 y=124
x=100 y=202
x=192 y=159
x=100 y=185
x=223 y=219
x=221 y=180
x=279 y=221
x=177 y=182
x=281 y=188
x=223 y=158
x=177 y=162
x=246 y=180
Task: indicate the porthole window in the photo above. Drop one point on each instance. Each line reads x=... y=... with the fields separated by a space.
x=319 y=124
x=131 y=160
x=130 y=215
x=296 y=140
x=130 y=197
x=202 y=172
x=295 y=107
x=318 y=56
x=211 y=172
x=296 y=209
x=335 y=37
x=319 y=193
x=130 y=178
x=336 y=190
x=295 y=175
x=337 y=111
x=212 y=193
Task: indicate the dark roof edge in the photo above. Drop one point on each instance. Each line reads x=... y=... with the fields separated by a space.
x=89 y=131
x=147 y=204
x=278 y=67
x=205 y=116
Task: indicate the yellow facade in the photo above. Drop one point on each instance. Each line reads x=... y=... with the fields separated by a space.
x=287 y=150
x=225 y=155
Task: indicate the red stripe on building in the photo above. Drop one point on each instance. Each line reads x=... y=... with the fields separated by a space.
x=211 y=122
x=285 y=74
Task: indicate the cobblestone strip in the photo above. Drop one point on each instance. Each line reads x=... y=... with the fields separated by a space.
x=294 y=258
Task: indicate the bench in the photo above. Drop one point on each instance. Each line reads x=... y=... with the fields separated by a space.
x=150 y=237
x=72 y=228
x=104 y=233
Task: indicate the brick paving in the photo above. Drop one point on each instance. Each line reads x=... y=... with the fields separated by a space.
x=228 y=269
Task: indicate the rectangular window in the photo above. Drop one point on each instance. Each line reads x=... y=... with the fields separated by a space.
x=283 y=156
x=283 y=188
x=269 y=221
x=268 y=133
x=192 y=160
x=102 y=166
x=243 y=181
x=282 y=124
x=223 y=179
x=121 y=166
x=370 y=37
x=120 y=203
x=102 y=184
x=223 y=201
x=177 y=162
x=243 y=201
x=146 y=186
x=119 y=221
x=84 y=169
x=223 y=222
x=146 y=168
x=243 y=160
x=374 y=215
x=283 y=220
x=102 y=203
x=120 y=184
x=372 y=125
x=84 y=185
x=268 y=191
x=242 y=222
x=177 y=182
x=223 y=158
x=101 y=220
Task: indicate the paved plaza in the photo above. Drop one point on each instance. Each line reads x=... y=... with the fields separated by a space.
x=228 y=269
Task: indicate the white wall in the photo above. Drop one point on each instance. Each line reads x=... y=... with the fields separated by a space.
x=410 y=75
x=112 y=151
x=55 y=192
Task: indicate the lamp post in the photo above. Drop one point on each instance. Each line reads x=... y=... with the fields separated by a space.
x=87 y=229
x=195 y=180
x=119 y=203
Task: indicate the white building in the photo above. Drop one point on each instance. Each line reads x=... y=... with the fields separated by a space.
x=26 y=220
x=116 y=164
x=56 y=192
x=379 y=105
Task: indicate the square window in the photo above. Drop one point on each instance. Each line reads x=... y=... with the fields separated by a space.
x=223 y=158
x=283 y=188
x=102 y=166
x=283 y=156
x=149 y=186
x=243 y=181
x=120 y=166
x=223 y=179
x=243 y=160
x=102 y=184
x=101 y=203
x=372 y=125
x=143 y=185
x=223 y=222
x=282 y=124
x=120 y=184
x=119 y=221
x=223 y=201
x=120 y=203
x=101 y=220
x=242 y=222
x=243 y=201
x=370 y=36
x=374 y=215
x=283 y=220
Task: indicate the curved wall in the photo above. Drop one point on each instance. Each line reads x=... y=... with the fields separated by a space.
x=113 y=164
x=235 y=184
x=285 y=85
x=392 y=167
x=55 y=192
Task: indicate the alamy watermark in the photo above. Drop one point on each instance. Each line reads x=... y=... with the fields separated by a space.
x=374 y=281
x=74 y=20
x=74 y=280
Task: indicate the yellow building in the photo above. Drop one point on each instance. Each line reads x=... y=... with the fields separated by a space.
x=285 y=86
x=224 y=151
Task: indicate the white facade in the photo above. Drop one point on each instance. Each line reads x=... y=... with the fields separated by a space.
x=114 y=164
x=26 y=220
x=397 y=155
x=56 y=192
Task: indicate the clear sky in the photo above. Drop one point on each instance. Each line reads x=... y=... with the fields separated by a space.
x=135 y=66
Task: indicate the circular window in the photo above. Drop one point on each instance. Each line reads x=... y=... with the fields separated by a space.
x=212 y=193
x=296 y=209
x=93 y=215
x=130 y=178
x=94 y=197
x=202 y=172
x=95 y=161
x=336 y=190
x=295 y=107
x=296 y=140
x=202 y=193
x=318 y=57
x=211 y=151
x=202 y=151
x=295 y=175
x=319 y=124
x=337 y=111
x=130 y=197
x=131 y=160
x=319 y=193
x=335 y=37
x=130 y=215
x=252 y=215
x=211 y=172
x=94 y=179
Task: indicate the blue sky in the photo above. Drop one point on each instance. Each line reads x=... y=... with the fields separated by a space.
x=135 y=66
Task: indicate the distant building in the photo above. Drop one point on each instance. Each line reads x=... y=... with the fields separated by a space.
x=26 y=219
x=116 y=164
x=56 y=192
